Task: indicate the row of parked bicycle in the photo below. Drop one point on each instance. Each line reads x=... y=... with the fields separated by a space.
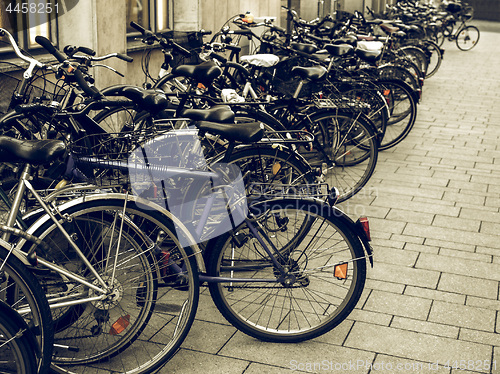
x=119 y=203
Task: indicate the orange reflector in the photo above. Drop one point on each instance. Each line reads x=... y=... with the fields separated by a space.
x=201 y=86
x=120 y=325
x=340 y=271
x=387 y=92
x=276 y=168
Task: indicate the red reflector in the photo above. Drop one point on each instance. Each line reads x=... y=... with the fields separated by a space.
x=366 y=226
x=165 y=256
x=120 y=325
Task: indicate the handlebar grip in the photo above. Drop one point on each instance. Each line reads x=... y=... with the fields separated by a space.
x=181 y=49
x=27 y=108
x=278 y=29
x=47 y=44
x=87 y=51
x=217 y=57
x=123 y=57
x=206 y=32
x=92 y=91
x=141 y=29
x=235 y=48
x=241 y=32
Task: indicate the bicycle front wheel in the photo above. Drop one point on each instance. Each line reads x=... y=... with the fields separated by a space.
x=467 y=38
x=92 y=334
x=309 y=285
x=16 y=349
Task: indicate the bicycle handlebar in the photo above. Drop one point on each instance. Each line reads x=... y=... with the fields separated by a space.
x=91 y=91
x=165 y=43
x=17 y=50
x=49 y=47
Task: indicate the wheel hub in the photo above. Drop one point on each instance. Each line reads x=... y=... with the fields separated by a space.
x=113 y=297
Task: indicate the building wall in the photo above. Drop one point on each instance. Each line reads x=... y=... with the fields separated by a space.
x=486 y=9
x=214 y=13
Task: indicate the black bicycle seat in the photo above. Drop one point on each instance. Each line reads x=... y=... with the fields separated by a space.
x=36 y=152
x=243 y=133
x=369 y=56
x=204 y=73
x=218 y=113
x=338 y=49
x=153 y=100
x=311 y=72
x=304 y=47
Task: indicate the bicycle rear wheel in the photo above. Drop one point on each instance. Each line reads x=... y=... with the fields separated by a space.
x=346 y=146
x=324 y=272
x=17 y=347
x=467 y=38
x=402 y=109
x=119 y=333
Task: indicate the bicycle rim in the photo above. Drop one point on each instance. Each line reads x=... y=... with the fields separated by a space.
x=467 y=38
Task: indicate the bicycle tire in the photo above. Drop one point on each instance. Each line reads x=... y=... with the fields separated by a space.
x=417 y=56
x=403 y=110
x=17 y=349
x=21 y=291
x=467 y=38
x=297 y=308
x=347 y=146
x=153 y=338
x=434 y=56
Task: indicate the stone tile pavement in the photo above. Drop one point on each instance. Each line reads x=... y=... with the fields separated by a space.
x=432 y=299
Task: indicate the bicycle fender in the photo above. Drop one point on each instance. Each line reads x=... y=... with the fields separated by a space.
x=355 y=228
x=358 y=230
x=186 y=235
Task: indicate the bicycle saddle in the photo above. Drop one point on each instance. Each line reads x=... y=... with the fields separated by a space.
x=204 y=73
x=262 y=59
x=338 y=49
x=304 y=47
x=153 y=100
x=369 y=56
x=389 y=29
x=348 y=39
x=218 y=113
x=312 y=73
x=36 y=152
x=243 y=133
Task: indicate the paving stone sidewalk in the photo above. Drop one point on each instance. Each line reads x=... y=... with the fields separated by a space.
x=432 y=298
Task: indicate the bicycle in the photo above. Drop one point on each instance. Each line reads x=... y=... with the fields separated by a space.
x=100 y=271
x=284 y=249
x=465 y=36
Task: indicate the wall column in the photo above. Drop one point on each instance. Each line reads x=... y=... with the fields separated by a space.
x=187 y=15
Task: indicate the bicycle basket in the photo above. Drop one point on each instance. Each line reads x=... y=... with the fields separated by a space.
x=40 y=87
x=170 y=170
x=192 y=41
x=280 y=77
